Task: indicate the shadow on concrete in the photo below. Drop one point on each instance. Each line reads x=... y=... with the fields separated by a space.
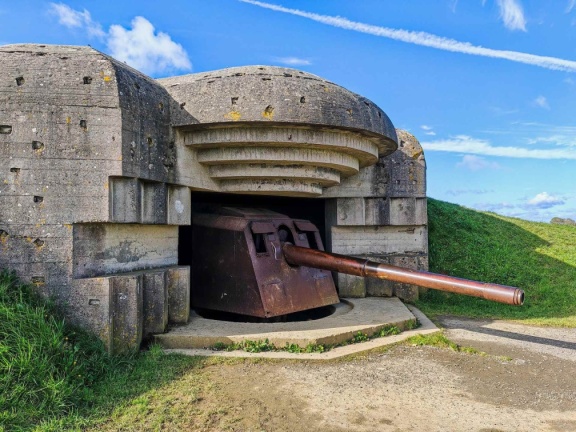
x=481 y=326
x=525 y=337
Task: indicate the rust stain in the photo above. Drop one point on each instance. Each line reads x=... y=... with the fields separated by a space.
x=233 y=115
x=38 y=281
x=417 y=154
x=268 y=112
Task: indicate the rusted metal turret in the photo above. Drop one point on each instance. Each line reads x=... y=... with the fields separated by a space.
x=264 y=264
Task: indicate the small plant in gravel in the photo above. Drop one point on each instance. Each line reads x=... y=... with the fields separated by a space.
x=389 y=331
x=359 y=337
x=315 y=348
x=219 y=346
x=258 y=346
x=441 y=341
x=266 y=345
x=292 y=348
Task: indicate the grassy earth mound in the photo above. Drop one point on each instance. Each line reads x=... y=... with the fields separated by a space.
x=537 y=257
x=55 y=377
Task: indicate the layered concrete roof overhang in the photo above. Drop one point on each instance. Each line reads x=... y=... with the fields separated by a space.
x=278 y=131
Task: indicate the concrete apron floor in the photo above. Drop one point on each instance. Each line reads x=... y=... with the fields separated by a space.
x=366 y=315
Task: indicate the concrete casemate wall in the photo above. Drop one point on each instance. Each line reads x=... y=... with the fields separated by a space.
x=97 y=162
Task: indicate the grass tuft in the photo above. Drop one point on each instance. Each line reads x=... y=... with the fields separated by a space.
x=439 y=340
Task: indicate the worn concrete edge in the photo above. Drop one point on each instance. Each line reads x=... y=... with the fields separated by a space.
x=426 y=327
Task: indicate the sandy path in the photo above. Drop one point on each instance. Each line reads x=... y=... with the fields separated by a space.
x=531 y=388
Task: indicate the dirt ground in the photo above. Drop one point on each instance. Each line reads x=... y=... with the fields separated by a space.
x=526 y=382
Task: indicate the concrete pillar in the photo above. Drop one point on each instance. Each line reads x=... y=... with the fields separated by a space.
x=387 y=224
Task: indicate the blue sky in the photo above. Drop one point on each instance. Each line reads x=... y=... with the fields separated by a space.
x=487 y=86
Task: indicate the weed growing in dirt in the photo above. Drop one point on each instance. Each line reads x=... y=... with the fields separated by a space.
x=439 y=340
x=359 y=337
x=266 y=345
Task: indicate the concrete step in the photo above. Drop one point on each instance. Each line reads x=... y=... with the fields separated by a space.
x=366 y=315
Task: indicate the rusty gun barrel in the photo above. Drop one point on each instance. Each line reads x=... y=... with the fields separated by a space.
x=296 y=255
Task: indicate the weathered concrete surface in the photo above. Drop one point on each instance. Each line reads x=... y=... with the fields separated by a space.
x=97 y=162
x=290 y=122
x=359 y=315
x=88 y=178
x=103 y=249
x=178 y=287
x=381 y=214
x=283 y=96
x=155 y=303
x=126 y=293
x=400 y=174
x=426 y=327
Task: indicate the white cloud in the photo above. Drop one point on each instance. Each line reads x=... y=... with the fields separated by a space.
x=467 y=144
x=544 y=200
x=71 y=18
x=542 y=207
x=558 y=140
x=428 y=130
x=476 y=163
x=293 y=61
x=494 y=207
x=426 y=39
x=141 y=46
x=453 y=6
x=512 y=14
x=542 y=102
x=571 y=4
x=533 y=128
x=144 y=49
x=457 y=192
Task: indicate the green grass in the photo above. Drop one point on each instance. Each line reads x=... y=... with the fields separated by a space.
x=56 y=377
x=537 y=257
x=122 y=391
x=43 y=364
x=439 y=340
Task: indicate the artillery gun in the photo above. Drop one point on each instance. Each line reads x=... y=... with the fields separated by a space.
x=264 y=264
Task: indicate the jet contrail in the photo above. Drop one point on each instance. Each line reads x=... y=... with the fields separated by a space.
x=426 y=39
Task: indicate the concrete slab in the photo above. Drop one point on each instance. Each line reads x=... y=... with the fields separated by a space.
x=367 y=315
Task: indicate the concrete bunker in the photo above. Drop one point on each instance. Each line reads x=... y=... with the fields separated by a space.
x=102 y=165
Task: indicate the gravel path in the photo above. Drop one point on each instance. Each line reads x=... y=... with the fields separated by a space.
x=526 y=382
